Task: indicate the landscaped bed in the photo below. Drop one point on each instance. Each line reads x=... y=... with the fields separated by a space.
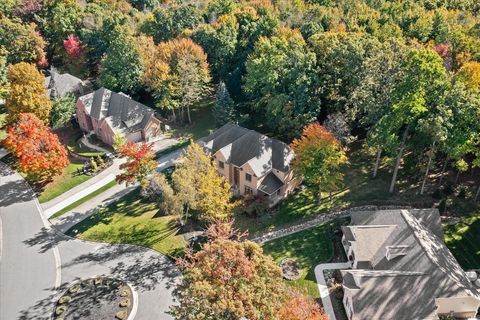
x=95 y=299
x=132 y=220
x=310 y=248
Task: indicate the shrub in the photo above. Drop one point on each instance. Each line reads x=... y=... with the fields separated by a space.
x=65 y=299
x=124 y=303
x=124 y=293
x=61 y=309
x=74 y=289
x=121 y=315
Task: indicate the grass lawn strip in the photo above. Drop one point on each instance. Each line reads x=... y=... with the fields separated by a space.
x=84 y=199
x=463 y=239
x=132 y=220
x=309 y=247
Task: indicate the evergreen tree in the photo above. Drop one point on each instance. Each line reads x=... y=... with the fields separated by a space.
x=224 y=110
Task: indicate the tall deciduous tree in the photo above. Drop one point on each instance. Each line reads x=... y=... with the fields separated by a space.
x=318 y=158
x=159 y=189
x=39 y=153
x=4 y=85
x=27 y=92
x=223 y=110
x=140 y=163
x=229 y=280
x=469 y=74
x=298 y=306
x=280 y=80
x=200 y=188
x=121 y=68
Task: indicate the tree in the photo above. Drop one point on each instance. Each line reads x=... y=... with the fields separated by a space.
x=297 y=306
x=121 y=68
x=22 y=41
x=223 y=110
x=200 y=188
x=140 y=163
x=318 y=158
x=27 y=92
x=159 y=190
x=280 y=81
x=176 y=72
x=469 y=74
x=62 y=111
x=73 y=47
x=118 y=141
x=228 y=280
x=38 y=151
x=4 y=85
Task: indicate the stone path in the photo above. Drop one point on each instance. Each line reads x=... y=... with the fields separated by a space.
x=322 y=285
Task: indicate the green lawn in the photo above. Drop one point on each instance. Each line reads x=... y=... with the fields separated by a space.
x=359 y=189
x=202 y=121
x=134 y=221
x=309 y=247
x=463 y=239
x=84 y=199
x=64 y=182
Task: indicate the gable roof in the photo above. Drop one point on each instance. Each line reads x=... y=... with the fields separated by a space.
x=119 y=110
x=270 y=184
x=240 y=146
x=384 y=289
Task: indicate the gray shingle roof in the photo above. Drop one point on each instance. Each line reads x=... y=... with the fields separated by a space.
x=61 y=84
x=242 y=145
x=427 y=267
x=270 y=184
x=118 y=109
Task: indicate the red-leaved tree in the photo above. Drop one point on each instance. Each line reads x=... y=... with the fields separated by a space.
x=140 y=162
x=38 y=151
x=73 y=47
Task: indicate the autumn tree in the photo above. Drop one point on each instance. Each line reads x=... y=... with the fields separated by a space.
x=158 y=189
x=469 y=74
x=176 y=72
x=62 y=111
x=38 y=151
x=318 y=158
x=4 y=85
x=22 y=41
x=228 y=280
x=298 y=306
x=27 y=92
x=224 y=109
x=202 y=192
x=140 y=163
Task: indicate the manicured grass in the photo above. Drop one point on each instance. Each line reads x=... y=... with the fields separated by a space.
x=134 y=221
x=309 y=247
x=463 y=240
x=202 y=121
x=172 y=148
x=84 y=199
x=64 y=182
x=359 y=189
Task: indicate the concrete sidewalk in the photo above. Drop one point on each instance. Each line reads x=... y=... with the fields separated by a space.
x=322 y=285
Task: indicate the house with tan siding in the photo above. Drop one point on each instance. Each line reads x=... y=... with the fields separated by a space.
x=106 y=114
x=252 y=163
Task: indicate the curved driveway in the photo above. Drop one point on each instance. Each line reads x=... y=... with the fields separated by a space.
x=37 y=262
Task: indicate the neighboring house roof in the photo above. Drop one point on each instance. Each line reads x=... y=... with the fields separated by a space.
x=270 y=184
x=241 y=146
x=420 y=269
x=61 y=84
x=123 y=114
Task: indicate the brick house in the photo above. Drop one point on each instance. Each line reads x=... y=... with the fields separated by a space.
x=106 y=114
x=252 y=162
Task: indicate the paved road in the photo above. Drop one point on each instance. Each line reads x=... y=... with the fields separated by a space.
x=30 y=279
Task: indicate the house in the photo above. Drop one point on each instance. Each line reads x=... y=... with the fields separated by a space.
x=402 y=269
x=59 y=85
x=253 y=163
x=106 y=114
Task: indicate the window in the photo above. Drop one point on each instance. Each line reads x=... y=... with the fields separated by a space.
x=248 y=177
x=248 y=190
x=221 y=165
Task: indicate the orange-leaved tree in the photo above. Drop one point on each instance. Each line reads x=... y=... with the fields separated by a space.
x=38 y=151
x=27 y=92
x=318 y=158
x=298 y=306
x=140 y=162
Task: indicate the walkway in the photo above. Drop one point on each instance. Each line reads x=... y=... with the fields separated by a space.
x=103 y=178
x=38 y=262
x=322 y=285
x=86 y=142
